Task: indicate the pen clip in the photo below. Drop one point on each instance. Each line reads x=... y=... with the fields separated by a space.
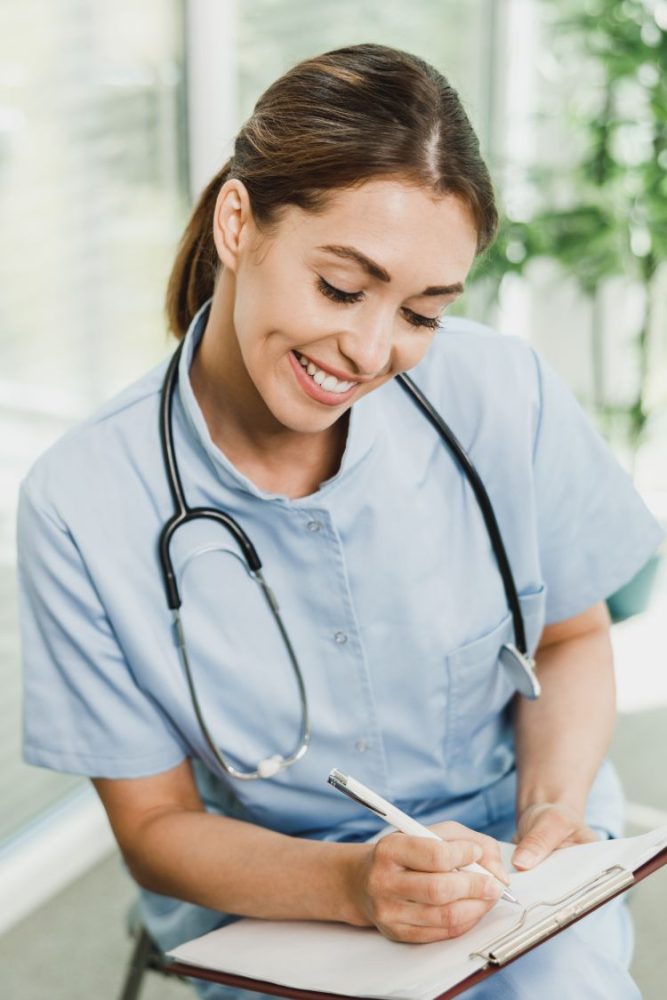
x=341 y=787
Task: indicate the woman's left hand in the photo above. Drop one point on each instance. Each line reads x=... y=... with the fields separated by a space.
x=544 y=827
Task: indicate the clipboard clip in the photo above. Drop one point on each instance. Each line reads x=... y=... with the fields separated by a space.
x=585 y=897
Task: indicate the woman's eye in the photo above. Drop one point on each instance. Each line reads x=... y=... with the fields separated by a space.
x=416 y=319
x=337 y=294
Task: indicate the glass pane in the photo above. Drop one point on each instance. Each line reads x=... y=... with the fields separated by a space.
x=275 y=34
x=93 y=199
x=459 y=39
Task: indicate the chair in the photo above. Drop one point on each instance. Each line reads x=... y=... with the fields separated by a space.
x=145 y=957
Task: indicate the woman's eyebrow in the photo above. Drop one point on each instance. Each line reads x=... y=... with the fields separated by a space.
x=376 y=271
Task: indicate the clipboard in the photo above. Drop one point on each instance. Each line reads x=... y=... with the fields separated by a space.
x=499 y=951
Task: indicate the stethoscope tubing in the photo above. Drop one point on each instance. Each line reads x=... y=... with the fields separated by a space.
x=184 y=514
x=460 y=455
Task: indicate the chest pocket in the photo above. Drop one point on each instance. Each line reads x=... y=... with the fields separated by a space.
x=480 y=689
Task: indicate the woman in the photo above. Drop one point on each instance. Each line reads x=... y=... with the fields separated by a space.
x=316 y=267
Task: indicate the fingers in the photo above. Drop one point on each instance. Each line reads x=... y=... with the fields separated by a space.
x=584 y=835
x=422 y=854
x=547 y=832
x=414 y=934
x=543 y=829
x=490 y=858
x=416 y=922
x=414 y=893
x=442 y=889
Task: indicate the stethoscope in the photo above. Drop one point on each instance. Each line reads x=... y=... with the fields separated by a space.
x=514 y=656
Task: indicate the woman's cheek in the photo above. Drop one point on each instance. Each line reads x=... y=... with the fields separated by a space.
x=416 y=349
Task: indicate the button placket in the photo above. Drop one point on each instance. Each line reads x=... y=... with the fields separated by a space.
x=349 y=657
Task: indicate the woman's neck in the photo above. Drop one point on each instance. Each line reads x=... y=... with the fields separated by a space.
x=273 y=457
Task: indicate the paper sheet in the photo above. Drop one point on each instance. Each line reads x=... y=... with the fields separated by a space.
x=336 y=958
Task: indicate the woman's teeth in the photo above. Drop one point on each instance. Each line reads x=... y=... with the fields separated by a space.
x=328 y=382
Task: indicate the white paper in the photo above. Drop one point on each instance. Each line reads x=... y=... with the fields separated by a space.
x=336 y=958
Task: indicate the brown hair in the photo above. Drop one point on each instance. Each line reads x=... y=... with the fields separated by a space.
x=330 y=122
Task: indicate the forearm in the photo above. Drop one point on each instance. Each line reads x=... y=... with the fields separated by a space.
x=239 y=868
x=562 y=737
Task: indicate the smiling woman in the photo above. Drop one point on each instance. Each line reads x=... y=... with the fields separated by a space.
x=321 y=129
x=368 y=277
x=328 y=215
x=317 y=267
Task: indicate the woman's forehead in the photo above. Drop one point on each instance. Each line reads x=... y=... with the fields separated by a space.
x=397 y=226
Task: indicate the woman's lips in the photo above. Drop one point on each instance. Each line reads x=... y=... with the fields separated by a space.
x=315 y=391
x=336 y=372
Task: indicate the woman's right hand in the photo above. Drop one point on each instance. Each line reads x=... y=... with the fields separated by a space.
x=407 y=888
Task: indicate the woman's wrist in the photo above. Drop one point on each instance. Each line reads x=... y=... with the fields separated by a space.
x=528 y=813
x=355 y=865
x=352 y=863
x=573 y=800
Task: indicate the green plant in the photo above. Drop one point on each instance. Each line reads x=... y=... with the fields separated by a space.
x=606 y=216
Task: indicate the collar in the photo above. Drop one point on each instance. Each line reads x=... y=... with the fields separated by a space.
x=360 y=434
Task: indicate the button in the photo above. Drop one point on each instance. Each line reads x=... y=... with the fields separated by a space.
x=314 y=526
x=362 y=745
x=340 y=637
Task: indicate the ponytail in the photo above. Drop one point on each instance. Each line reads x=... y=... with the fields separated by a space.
x=194 y=271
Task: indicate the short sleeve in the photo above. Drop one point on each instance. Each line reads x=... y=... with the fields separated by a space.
x=595 y=532
x=83 y=711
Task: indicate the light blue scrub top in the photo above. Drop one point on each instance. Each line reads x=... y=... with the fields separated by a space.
x=385 y=577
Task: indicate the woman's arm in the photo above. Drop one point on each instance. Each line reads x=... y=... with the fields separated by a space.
x=403 y=885
x=562 y=737
x=172 y=846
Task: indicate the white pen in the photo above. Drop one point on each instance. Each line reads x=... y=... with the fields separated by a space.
x=349 y=786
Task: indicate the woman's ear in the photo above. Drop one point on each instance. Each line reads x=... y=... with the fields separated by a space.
x=232 y=220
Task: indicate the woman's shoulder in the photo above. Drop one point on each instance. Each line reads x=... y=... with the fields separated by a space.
x=472 y=369
x=467 y=349
x=94 y=450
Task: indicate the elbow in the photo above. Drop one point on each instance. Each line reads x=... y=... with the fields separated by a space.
x=139 y=867
x=144 y=852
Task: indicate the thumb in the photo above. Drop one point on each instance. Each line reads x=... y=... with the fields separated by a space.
x=547 y=832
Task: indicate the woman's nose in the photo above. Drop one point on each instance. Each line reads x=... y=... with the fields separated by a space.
x=368 y=345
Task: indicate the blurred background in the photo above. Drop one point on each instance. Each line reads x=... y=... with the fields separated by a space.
x=113 y=115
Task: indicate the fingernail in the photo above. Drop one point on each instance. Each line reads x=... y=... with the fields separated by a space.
x=492 y=890
x=524 y=859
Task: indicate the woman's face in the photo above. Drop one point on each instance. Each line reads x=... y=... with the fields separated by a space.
x=331 y=306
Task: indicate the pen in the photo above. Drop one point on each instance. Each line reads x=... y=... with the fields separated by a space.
x=349 y=786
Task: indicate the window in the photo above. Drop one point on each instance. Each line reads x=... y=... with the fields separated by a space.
x=275 y=34
x=459 y=39
x=93 y=199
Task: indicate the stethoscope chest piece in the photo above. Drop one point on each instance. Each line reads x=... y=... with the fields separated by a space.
x=521 y=670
